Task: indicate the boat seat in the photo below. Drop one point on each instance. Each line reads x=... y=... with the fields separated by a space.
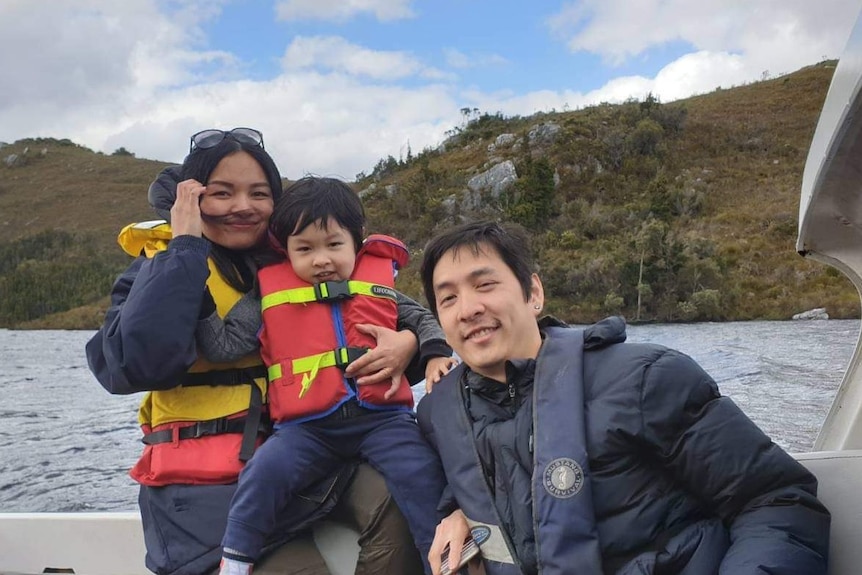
x=839 y=487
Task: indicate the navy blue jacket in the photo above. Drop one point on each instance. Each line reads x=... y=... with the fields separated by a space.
x=147 y=342
x=682 y=481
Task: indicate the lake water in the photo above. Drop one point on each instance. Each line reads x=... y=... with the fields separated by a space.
x=66 y=444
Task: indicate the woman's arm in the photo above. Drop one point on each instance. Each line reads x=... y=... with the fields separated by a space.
x=147 y=340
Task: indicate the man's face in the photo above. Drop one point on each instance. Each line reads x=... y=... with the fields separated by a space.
x=482 y=310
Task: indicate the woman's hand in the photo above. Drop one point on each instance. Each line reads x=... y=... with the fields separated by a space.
x=451 y=534
x=388 y=360
x=186 y=211
x=436 y=368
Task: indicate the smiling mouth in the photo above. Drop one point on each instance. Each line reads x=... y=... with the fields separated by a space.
x=243 y=223
x=480 y=333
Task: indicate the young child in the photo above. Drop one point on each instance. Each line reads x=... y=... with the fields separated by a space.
x=312 y=305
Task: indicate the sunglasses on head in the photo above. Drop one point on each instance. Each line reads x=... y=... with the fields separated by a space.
x=209 y=138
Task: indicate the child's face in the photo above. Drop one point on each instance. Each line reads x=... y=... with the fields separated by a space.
x=321 y=253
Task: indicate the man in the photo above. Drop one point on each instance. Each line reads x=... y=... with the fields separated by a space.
x=568 y=451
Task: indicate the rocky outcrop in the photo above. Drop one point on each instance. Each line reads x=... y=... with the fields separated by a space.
x=542 y=134
x=502 y=141
x=816 y=313
x=496 y=180
x=492 y=182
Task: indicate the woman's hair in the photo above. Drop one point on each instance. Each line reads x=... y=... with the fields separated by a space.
x=199 y=165
x=201 y=162
x=314 y=199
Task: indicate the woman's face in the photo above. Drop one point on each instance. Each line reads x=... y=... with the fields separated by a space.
x=237 y=203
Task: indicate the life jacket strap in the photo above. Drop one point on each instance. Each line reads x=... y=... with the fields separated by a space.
x=327 y=292
x=209 y=427
x=233 y=376
x=253 y=421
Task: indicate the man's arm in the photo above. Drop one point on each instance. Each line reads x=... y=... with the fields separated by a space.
x=766 y=498
x=432 y=342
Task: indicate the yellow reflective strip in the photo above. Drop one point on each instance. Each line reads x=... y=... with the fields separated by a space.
x=295 y=295
x=368 y=288
x=307 y=380
x=312 y=365
x=310 y=362
x=273 y=372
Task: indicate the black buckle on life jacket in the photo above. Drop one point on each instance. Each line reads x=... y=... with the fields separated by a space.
x=344 y=356
x=210 y=427
x=332 y=291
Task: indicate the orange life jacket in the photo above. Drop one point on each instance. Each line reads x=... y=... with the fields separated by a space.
x=309 y=333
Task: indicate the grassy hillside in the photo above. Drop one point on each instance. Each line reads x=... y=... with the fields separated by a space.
x=662 y=212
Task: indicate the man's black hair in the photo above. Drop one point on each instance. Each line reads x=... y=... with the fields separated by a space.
x=509 y=241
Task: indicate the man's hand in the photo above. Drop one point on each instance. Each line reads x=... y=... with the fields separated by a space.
x=388 y=360
x=451 y=533
x=186 y=211
x=436 y=368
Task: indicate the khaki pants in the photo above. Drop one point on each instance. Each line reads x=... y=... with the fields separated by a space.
x=386 y=545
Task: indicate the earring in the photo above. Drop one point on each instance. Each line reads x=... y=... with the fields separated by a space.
x=537 y=307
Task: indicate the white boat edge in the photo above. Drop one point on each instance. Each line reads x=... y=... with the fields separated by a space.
x=112 y=543
x=830 y=220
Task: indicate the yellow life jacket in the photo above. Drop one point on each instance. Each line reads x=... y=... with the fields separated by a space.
x=193 y=432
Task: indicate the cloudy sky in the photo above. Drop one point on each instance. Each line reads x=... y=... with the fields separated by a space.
x=336 y=85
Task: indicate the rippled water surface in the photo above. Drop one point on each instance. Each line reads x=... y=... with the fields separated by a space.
x=66 y=444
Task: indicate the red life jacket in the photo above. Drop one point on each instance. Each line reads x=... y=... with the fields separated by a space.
x=309 y=333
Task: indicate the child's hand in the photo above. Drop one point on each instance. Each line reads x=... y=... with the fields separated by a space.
x=436 y=368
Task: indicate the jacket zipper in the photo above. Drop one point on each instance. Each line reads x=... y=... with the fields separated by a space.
x=506 y=537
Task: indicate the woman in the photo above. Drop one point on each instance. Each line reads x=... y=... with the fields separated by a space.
x=201 y=421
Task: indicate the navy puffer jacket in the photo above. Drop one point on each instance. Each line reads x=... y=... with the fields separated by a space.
x=682 y=480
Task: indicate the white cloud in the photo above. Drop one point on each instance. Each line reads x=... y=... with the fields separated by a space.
x=699 y=73
x=342 y=10
x=116 y=75
x=691 y=74
x=110 y=74
x=732 y=41
x=798 y=32
x=83 y=68
x=317 y=123
x=334 y=53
